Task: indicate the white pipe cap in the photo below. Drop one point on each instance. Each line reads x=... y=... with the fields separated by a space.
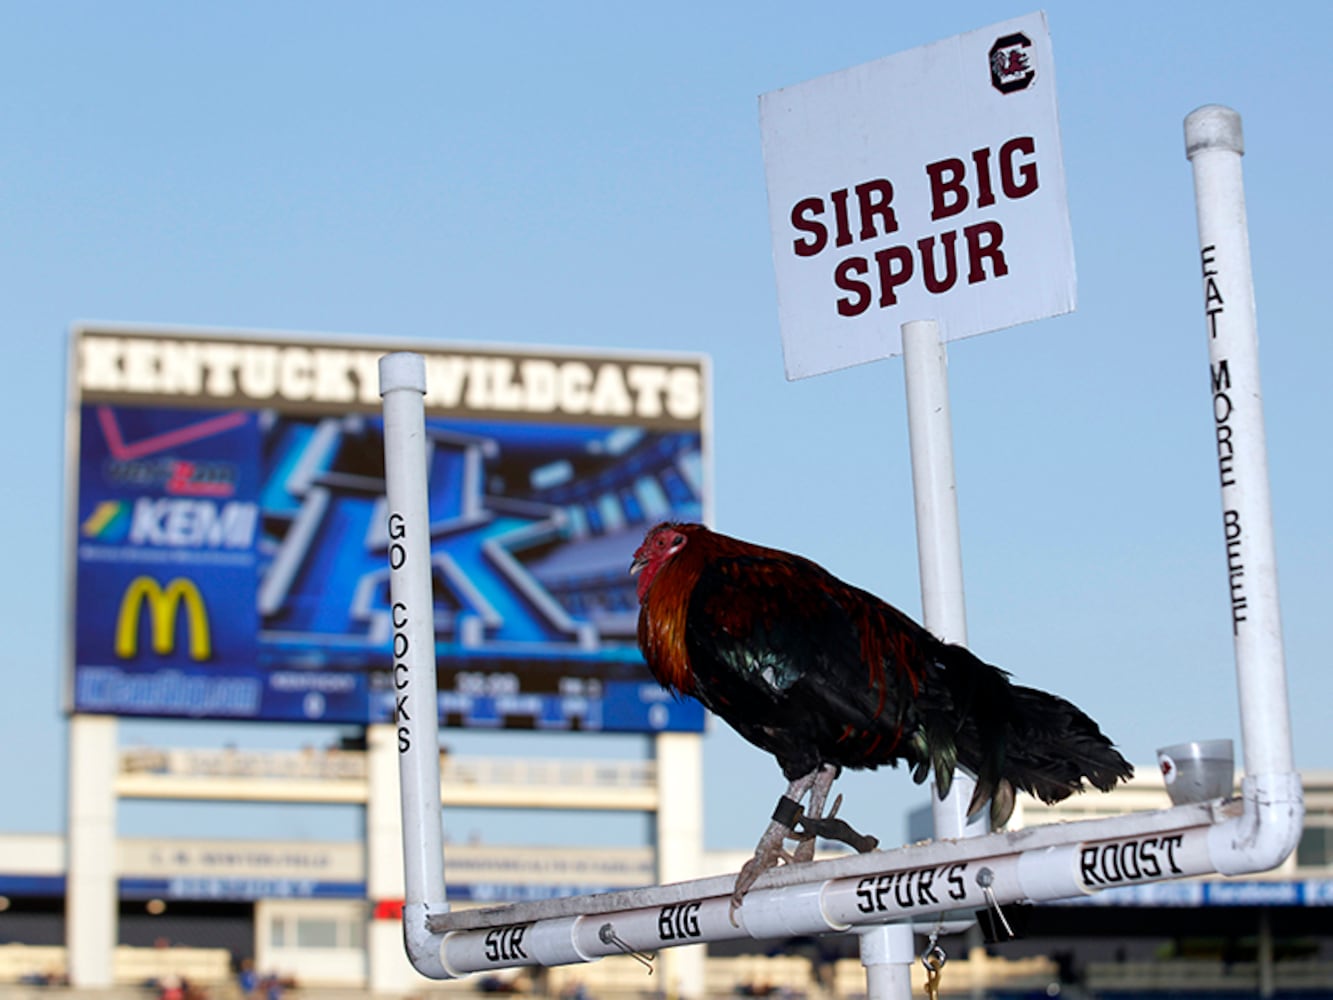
x=1213 y=126
x=402 y=370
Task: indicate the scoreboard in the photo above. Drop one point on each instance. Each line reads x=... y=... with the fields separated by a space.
x=228 y=544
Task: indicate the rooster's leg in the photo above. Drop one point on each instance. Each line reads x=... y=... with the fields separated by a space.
x=823 y=781
x=769 y=850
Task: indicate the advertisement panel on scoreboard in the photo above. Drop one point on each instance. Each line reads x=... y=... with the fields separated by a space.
x=230 y=545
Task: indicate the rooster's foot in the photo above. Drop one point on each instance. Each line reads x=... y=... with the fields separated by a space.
x=768 y=854
x=791 y=822
x=820 y=782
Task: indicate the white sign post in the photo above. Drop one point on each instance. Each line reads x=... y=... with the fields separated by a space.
x=917 y=199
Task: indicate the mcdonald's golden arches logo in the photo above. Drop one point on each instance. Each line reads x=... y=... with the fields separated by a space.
x=164 y=604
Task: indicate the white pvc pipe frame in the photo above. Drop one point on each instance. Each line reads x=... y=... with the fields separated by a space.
x=921 y=883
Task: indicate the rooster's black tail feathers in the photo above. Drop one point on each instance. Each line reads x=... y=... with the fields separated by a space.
x=1010 y=737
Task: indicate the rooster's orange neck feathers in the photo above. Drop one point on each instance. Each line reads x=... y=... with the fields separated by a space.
x=662 y=632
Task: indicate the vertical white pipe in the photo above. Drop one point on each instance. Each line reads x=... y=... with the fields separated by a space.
x=938 y=542
x=887 y=953
x=1214 y=145
x=930 y=437
x=403 y=388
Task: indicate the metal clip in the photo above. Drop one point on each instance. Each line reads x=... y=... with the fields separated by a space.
x=607 y=935
x=933 y=958
x=986 y=879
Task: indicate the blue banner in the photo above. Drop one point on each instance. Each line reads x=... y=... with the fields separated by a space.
x=1239 y=892
x=232 y=564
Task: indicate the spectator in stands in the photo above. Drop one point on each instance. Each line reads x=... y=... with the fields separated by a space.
x=247 y=980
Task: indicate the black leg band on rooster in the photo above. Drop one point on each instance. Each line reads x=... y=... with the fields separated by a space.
x=788 y=812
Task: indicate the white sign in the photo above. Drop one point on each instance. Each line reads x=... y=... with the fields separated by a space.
x=925 y=186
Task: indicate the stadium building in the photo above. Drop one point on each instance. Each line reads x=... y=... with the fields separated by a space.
x=325 y=915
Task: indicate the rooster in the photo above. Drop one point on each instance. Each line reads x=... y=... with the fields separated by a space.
x=823 y=676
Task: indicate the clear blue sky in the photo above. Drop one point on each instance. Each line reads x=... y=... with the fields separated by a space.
x=590 y=174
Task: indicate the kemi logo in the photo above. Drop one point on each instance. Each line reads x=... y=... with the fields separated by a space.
x=164 y=605
x=174 y=522
x=177 y=523
x=109 y=521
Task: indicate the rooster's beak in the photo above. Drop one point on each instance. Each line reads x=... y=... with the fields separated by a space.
x=638 y=564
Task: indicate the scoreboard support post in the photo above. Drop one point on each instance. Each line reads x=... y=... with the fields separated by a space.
x=91 y=890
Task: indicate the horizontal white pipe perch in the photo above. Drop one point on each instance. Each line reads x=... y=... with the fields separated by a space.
x=919 y=883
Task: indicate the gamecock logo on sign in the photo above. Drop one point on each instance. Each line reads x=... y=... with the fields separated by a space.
x=1011 y=65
